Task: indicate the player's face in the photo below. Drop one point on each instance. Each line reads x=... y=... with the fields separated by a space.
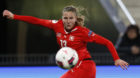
x=69 y=19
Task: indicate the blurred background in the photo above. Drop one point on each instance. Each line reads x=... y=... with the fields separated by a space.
x=24 y=44
x=28 y=51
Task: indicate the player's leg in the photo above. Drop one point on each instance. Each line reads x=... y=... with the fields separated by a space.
x=87 y=69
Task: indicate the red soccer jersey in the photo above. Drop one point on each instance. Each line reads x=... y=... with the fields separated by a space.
x=76 y=39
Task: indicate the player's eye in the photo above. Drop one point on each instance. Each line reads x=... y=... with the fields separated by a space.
x=65 y=18
x=71 y=17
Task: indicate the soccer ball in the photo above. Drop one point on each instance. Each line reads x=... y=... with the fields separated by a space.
x=66 y=58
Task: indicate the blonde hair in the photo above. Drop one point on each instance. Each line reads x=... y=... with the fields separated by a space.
x=76 y=10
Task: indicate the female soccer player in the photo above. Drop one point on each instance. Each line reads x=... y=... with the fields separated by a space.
x=70 y=32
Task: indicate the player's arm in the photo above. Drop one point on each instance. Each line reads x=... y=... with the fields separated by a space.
x=29 y=19
x=92 y=37
x=103 y=41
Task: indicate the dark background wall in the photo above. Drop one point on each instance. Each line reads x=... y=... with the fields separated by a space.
x=2 y=28
x=41 y=40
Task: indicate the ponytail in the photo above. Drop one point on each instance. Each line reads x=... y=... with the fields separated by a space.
x=80 y=21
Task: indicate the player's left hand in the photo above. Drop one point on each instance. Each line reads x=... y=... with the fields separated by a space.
x=122 y=63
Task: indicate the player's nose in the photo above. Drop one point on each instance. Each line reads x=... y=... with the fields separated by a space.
x=68 y=21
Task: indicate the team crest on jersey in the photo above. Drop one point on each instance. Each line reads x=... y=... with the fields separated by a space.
x=71 y=38
x=58 y=34
x=54 y=21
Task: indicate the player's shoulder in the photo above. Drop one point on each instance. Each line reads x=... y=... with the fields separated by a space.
x=83 y=29
x=86 y=31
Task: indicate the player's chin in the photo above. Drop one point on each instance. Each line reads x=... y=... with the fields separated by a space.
x=68 y=28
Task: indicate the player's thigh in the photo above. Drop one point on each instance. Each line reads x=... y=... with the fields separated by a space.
x=87 y=69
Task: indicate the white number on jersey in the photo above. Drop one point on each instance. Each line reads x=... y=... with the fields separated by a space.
x=63 y=43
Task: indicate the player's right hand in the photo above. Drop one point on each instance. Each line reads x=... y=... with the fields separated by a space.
x=8 y=14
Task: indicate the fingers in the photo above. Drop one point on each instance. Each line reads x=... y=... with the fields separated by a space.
x=124 y=65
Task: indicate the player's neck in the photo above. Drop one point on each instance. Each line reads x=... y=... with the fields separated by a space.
x=69 y=31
